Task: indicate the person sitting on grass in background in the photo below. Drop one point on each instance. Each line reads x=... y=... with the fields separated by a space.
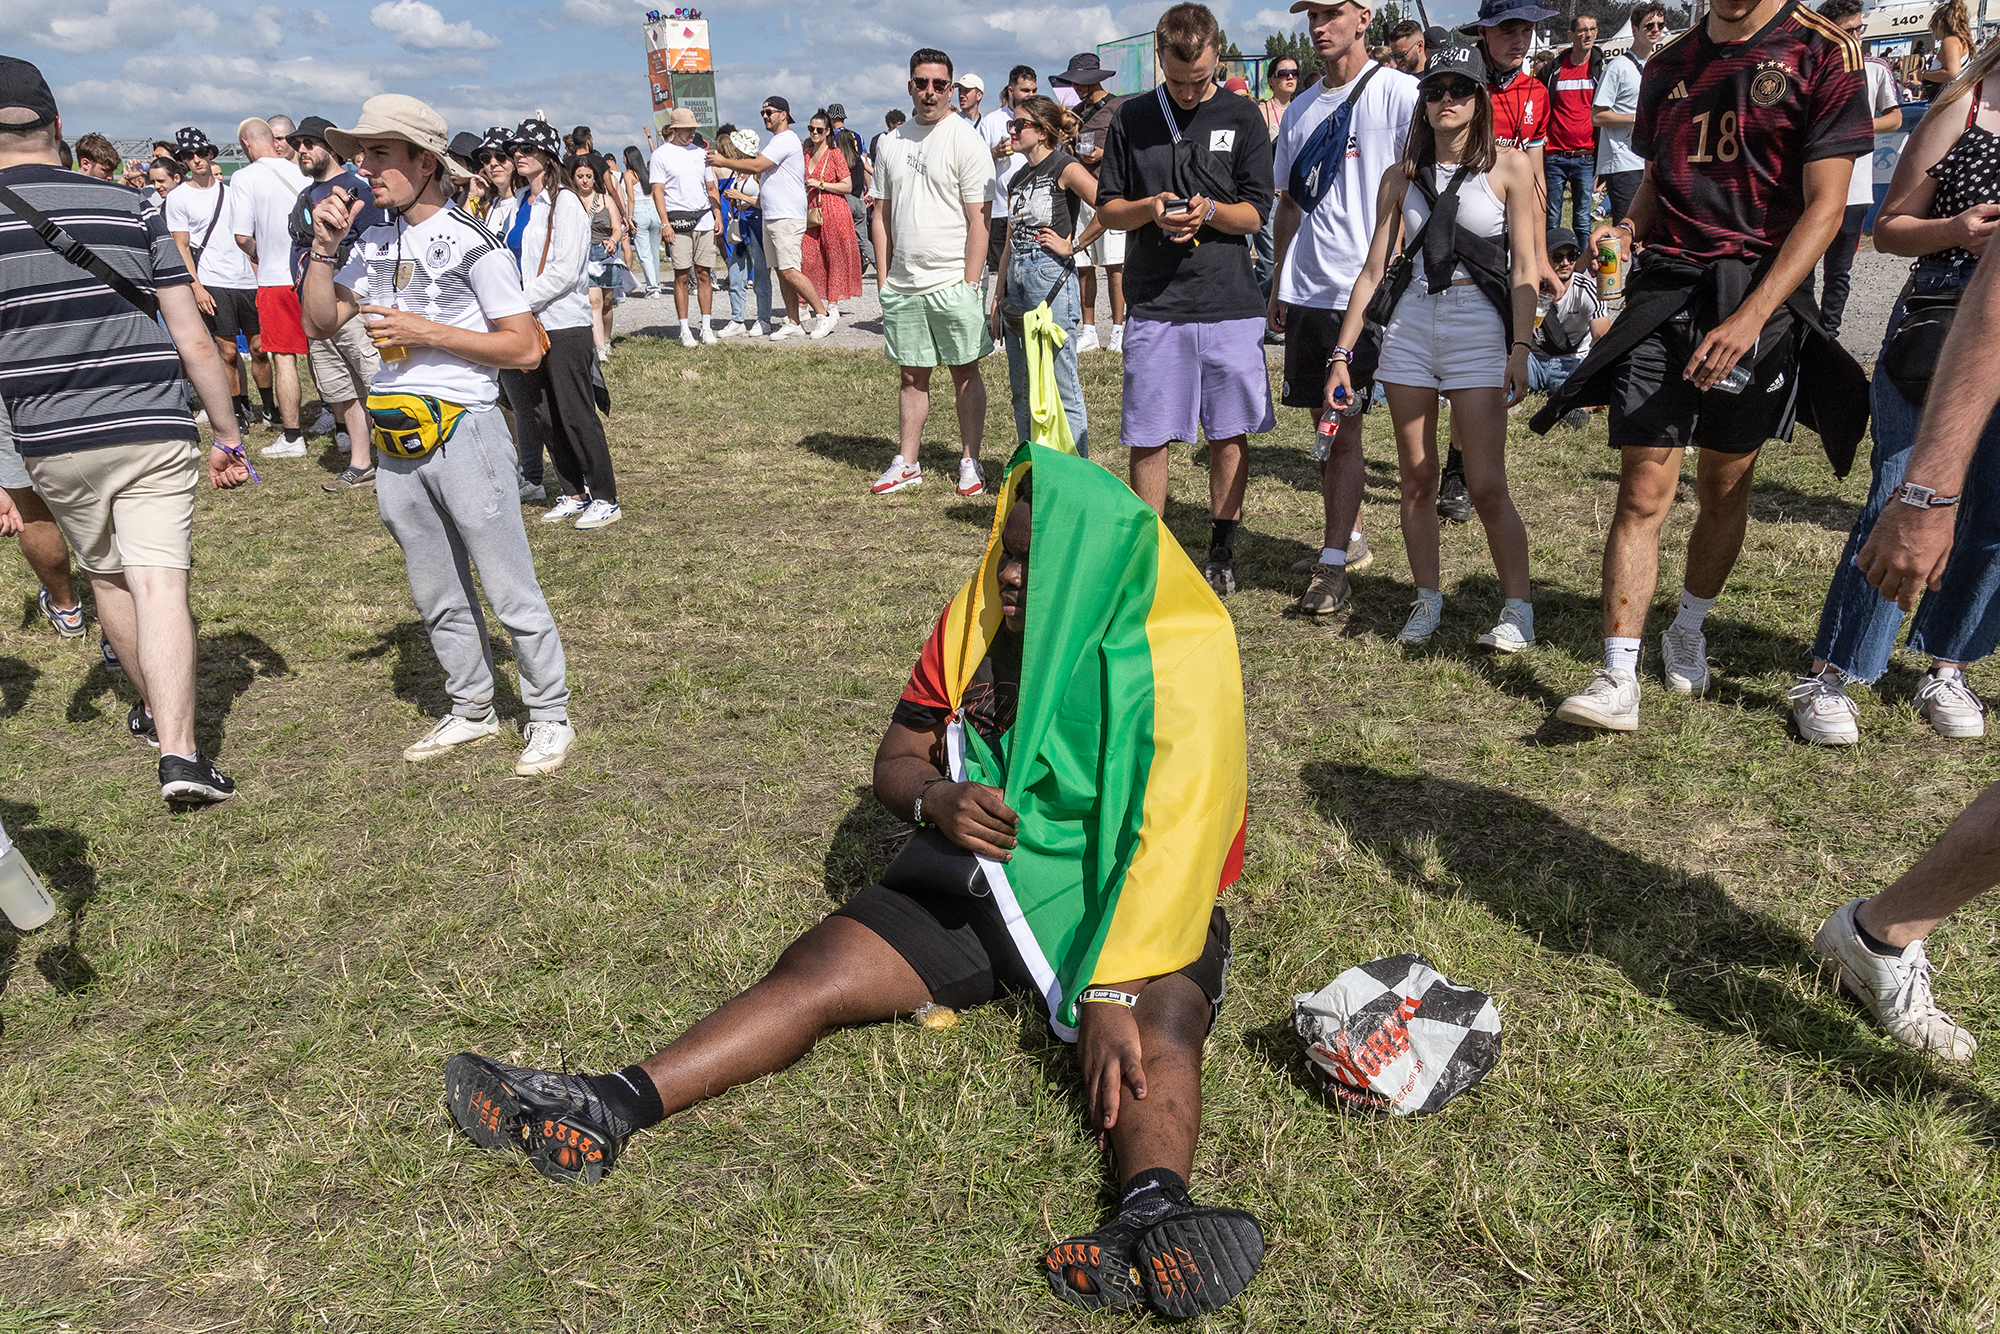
x=1094 y=893
x=1569 y=314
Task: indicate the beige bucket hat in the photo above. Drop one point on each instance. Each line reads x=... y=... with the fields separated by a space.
x=683 y=119
x=398 y=116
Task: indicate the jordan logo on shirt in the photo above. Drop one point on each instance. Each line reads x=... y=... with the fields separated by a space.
x=1221 y=141
x=1680 y=91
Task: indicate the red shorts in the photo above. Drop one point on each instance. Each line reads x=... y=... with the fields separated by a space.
x=284 y=328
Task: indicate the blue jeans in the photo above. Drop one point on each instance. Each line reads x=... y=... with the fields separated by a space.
x=1960 y=621
x=648 y=245
x=1547 y=373
x=748 y=272
x=1581 y=174
x=1030 y=274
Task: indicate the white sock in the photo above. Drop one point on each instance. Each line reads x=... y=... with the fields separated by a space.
x=1621 y=654
x=1354 y=536
x=1694 y=610
x=1329 y=556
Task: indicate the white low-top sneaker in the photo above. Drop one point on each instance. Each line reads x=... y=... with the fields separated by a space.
x=971 y=478
x=451 y=732
x=687 y=336
x=1515 y=632
x=1824 y=714
x=1610 y=702
x=733 y=329
x=757 y=330
x=1117 y=343
x=827 y=324
x=1425 y=614
x=1686 y=660
x=897 y=476
x=708 y=335
x=548 y=746
x=282 y=448
x=1948 y=702
x=1086 y=339
x=600 y=514
x=1896 y=989
x=566 y=508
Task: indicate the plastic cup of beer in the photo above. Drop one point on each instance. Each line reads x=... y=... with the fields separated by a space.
x=23 y=898
x=387 y=351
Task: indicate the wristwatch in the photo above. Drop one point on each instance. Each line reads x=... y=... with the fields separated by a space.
x=1923 y=498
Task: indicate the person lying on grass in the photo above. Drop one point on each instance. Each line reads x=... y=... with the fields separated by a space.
x=1083 y=735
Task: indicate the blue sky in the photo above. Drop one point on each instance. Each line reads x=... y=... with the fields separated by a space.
x=131 y=68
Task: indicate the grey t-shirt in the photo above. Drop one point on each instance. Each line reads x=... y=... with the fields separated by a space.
x=1618 y=90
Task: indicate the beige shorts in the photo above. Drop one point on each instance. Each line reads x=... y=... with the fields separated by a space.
x=696 y=250
x=123 y=505
x=784 y=243
x=1107 y=251
x=344 y=365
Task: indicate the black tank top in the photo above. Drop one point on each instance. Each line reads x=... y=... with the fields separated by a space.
x=1036 y=200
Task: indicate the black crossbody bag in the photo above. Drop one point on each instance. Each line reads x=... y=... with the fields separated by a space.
x=79 y=254
x=930 y=863
x=1911 y=356
x=1395 y=281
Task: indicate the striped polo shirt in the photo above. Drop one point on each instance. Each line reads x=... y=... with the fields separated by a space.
x=80 y=366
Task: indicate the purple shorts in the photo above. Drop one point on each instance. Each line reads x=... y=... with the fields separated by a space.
x=1180 y=377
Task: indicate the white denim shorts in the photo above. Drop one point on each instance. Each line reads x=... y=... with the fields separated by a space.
x=1451 y=340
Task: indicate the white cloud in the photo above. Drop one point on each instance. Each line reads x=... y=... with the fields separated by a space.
x=264 y=30
x=101 y=25
x=608 y=13
x=1053 y=32
x=1273 y=20
x=421 y=27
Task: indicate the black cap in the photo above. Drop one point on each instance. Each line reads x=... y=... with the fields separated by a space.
x=312 y=127
x=1560 y=237
x=1435 y=36
x=22 y=85
x=778 y=104
x=1458 y=58
x=463 y=145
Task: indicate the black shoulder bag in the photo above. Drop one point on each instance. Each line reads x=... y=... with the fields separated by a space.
x=1910 y=357
x=221 y=193
x=81 y=255
x=1395 y=281
x=930 y=863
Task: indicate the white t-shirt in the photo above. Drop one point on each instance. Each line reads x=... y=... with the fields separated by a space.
x=1331 y=246
x=447 y=268
x=928 y=174
x=685 y=173
x=222 y=263
x=1565 y=330
x=260 y=205
x=993 y=129
x=1618 y=90
x=784 y=185
x=1881 y=98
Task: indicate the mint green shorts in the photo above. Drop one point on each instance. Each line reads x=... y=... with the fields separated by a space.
x=942 y=328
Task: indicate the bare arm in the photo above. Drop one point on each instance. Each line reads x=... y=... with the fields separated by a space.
x=511 y=345
x=878 y=231
x=978 y=226
x=753 y=165
x=1608 y=119
x=1285 y=222
x=248 y=245
x=204 y=371
x=1904 y=226
x=202 y=300
x=323 y=305
x=714 y=206
x=1526 y=216
x=910 y=763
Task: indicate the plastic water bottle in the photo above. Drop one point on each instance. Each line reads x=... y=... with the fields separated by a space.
x=22 y=896
x=1345 y=405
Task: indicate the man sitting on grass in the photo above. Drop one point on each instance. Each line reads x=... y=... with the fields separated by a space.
x=1086 y=741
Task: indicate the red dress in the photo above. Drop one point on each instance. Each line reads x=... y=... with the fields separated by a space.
x=831 y=256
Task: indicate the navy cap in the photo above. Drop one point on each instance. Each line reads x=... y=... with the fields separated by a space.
x=1493 y=13
x=22 y=85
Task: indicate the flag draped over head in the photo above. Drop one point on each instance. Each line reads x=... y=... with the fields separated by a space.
x=1126 y=759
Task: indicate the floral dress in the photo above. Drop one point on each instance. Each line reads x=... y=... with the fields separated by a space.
x=831 y=254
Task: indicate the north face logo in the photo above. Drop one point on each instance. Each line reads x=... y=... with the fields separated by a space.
x=1680 y=91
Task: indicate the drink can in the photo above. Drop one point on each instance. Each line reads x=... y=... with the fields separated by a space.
x=23 y=898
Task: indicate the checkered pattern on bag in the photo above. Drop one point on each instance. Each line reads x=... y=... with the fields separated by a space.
x=1395 y=1035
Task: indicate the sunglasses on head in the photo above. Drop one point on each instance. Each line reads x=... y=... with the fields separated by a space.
x=1456 y=89
x=934 y=85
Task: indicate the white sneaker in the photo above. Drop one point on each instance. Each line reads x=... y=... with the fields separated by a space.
x=1117 y=343
x=324 y=424
x=1823 y=712
x=826 y=325
x=687 y=336
x=733 y=329
x=1515 y=632
x=451 y=732
x=1896 y=990
x=1610 y=702
x=787 y=330
x=284 y=449
x=897 y=476
x=757 y=330
x=548 y=746
x=971 y=477
x=566 y=508
x=600 y=514
x=1425 y=614
x=708 y=337
x=1086 y=339
x=1948 y=702
x=1686 y=666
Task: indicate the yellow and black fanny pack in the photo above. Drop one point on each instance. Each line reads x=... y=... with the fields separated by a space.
x=409 y=426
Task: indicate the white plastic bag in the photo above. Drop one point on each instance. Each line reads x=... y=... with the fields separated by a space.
x=1395 y=1035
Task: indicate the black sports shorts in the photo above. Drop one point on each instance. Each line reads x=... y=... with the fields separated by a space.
x=996 y=242
x=1311 y=334
x=235 y=312
x=1653 y=406
x=961 y=949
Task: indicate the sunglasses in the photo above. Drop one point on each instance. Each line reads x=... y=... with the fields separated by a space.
x=1455 y=88
x=934 y=85
x=1016 y=126
x=768 y=111
x=1565 y=258
x=1657 y=25
x=1284 y=74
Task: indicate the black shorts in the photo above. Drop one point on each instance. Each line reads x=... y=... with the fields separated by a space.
x=1311 y=334
x=996 y=241
x=961 y=949
x=235 y=312
x=1653 y=406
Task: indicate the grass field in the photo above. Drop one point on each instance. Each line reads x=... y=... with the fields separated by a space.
x=220 y=1068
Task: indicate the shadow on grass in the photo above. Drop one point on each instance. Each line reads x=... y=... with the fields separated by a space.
x=417 y=677
x=225 y=666
x=17 y=682
x=1777 y=502
x=863 y=453
x=60 y=857
x=1674 y=935
x=865 y=841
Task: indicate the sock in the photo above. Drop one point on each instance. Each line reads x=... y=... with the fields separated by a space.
x=1222 y=534
x=1354 y=536
x=1621 y=654
x=630 y=1095
x=1140 y=1191
x=1329 y=556
x=1874 y=946
x=1522 y=605
x=240 y=401
x=1693 y=611
x=270 y=404
x=293 y=436
x=196 y=759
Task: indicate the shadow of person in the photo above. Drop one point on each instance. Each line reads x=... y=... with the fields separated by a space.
x=417 y=677
x=865 y=841
x=17 y=682
x=1677 y=936
x=863 y=453
x=226 y=665
x=60 y=856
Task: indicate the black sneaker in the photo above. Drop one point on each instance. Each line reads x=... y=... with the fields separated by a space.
x=566 y=1130
x=193 y=780
x=1196 y=1261
x=1220 y=571
x=1454 y=501
x=140 y=724
x=1096 y=1271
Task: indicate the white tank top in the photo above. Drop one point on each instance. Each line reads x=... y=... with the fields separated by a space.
x=1479 y=210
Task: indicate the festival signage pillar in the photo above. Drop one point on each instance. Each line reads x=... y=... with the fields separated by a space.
x=680 y=72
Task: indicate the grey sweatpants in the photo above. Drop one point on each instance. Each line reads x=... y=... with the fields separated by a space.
x=456 y=509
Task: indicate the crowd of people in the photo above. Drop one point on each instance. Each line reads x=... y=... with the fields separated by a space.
x=1423 y=221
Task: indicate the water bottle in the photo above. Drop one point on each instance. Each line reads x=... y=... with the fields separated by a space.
x=22 y=896
x=1345 y=405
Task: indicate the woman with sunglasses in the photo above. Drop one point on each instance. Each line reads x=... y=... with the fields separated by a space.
x=1284 y=87
x=1459 y=328
x=1037 y=261
x=832 y=253
x=607 y=225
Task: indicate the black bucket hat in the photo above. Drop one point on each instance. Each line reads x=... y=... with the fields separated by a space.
x=536 y=134
x=190 y=141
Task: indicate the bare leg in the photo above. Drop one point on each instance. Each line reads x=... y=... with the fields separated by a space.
x=1160 y=1129
x=1149 y=477
x=42 y=546
x=705 y=278
x=288 y=392
x=799 y=289
x=1341 y=481
x=232 y=362
x=1480 y=419
x=1086 y=288
x=1958 y=868
x=682 y=279
x=1646 y=483
x=1228 y=475
x=1722 y=484
x=836 y=974
x=1413 y=410
x=165 y=650
x=913 y=408
x=260 y=362
x=354 y=417
x=970 y=390
x=1114 y=278
x=597 y=316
